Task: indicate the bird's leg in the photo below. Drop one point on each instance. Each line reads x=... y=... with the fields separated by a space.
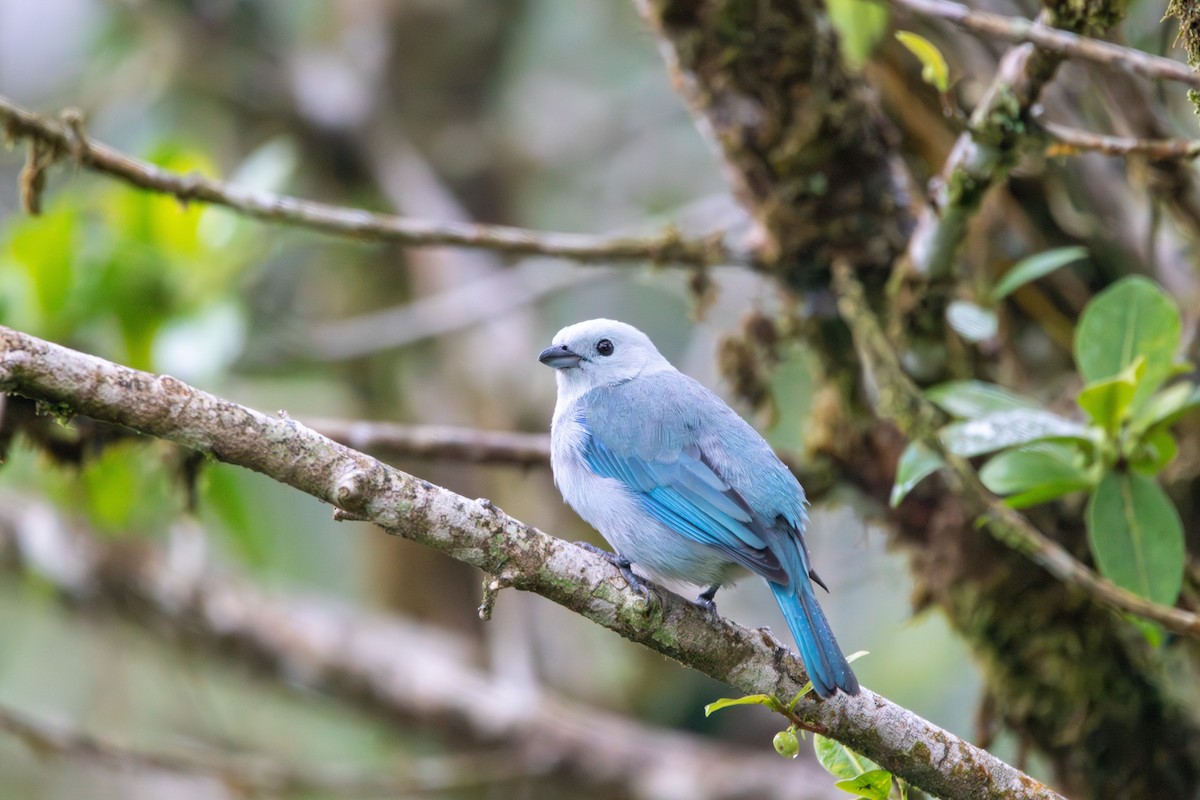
x=707 y=601
x=626 y=568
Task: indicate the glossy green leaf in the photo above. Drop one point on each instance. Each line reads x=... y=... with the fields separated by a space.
x=839 y=760
x=1107 y=401
x=972 y=322
x=1133 y=317
x=873 y=784
x=970 y=399
x=917 y=462
x=748 y=700
x=1033 y=267
x=860 y=25
x=1136 y=536
x=933 y=64
x=1003 y=429
x=1046 y=466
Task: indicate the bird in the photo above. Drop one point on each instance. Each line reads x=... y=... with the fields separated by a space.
x=679 y=484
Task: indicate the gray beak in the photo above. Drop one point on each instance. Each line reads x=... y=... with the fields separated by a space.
x=559 y=356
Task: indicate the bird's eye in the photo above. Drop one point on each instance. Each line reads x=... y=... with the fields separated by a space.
x=604 y=347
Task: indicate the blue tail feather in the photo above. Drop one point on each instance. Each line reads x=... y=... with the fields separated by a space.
x=823 y=659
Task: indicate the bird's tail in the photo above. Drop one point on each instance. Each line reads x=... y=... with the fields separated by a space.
x=827 y=667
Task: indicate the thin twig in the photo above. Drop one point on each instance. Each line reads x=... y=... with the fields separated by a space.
x=901 y=402
x=391 y=440
x=423 y=776
x=665 y=247
x=1073 y=140
x=483 y=536
x=1019 y=30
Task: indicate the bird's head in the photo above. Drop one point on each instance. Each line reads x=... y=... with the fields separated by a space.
x=600 y=352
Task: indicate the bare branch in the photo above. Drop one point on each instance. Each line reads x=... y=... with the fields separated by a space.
x=1074 y=140
x=665 y=247
x=1055 y=40
x=478 y=533
x=901 y=402
x=423 y=776
x=392 y=440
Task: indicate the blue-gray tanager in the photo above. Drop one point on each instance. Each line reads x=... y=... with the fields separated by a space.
x=680 y=484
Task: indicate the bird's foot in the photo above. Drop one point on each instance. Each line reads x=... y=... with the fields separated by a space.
x=707 y=602
x=625 y=566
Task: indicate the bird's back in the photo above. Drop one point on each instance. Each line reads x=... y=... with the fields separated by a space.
x=658 y=416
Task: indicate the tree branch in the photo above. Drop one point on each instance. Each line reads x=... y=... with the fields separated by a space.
x=53 y=140
x=981 y=157
x=336 y=650
x=1073 y=140
x=478 y=533
x=901 y=402
x=422 y=776
x=392 y=440
x=1055 y=40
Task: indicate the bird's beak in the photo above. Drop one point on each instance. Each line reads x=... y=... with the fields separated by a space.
x=559 y=356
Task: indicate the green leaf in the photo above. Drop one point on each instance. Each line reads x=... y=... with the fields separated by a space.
x=839 y=760
x=1031 y=268
x=972 y=322
x=748 y=700
x=1133 y=317
x=1003 y=429
x=970 y=399
x=1047 y=469
x=1136 y=536
x=917 y=462
x=860 y=25
x=933 y=64
x=1154 y=451
x=1167 y=406
x=875 y=784
x=1107 y=401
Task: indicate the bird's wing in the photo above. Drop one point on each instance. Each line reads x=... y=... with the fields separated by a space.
x=653 y=449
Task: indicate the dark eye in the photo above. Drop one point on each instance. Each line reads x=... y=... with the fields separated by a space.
x=604 y=347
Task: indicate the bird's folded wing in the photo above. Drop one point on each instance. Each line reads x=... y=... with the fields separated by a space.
x=684 y=493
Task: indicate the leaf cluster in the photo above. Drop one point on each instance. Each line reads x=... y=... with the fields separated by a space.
x=1125 y=349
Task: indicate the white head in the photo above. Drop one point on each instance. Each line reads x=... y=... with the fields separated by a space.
x=599 y=352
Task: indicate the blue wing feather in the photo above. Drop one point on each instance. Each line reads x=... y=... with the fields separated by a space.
x=686 y=494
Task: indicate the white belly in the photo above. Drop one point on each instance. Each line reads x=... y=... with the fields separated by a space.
x=613 y=509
